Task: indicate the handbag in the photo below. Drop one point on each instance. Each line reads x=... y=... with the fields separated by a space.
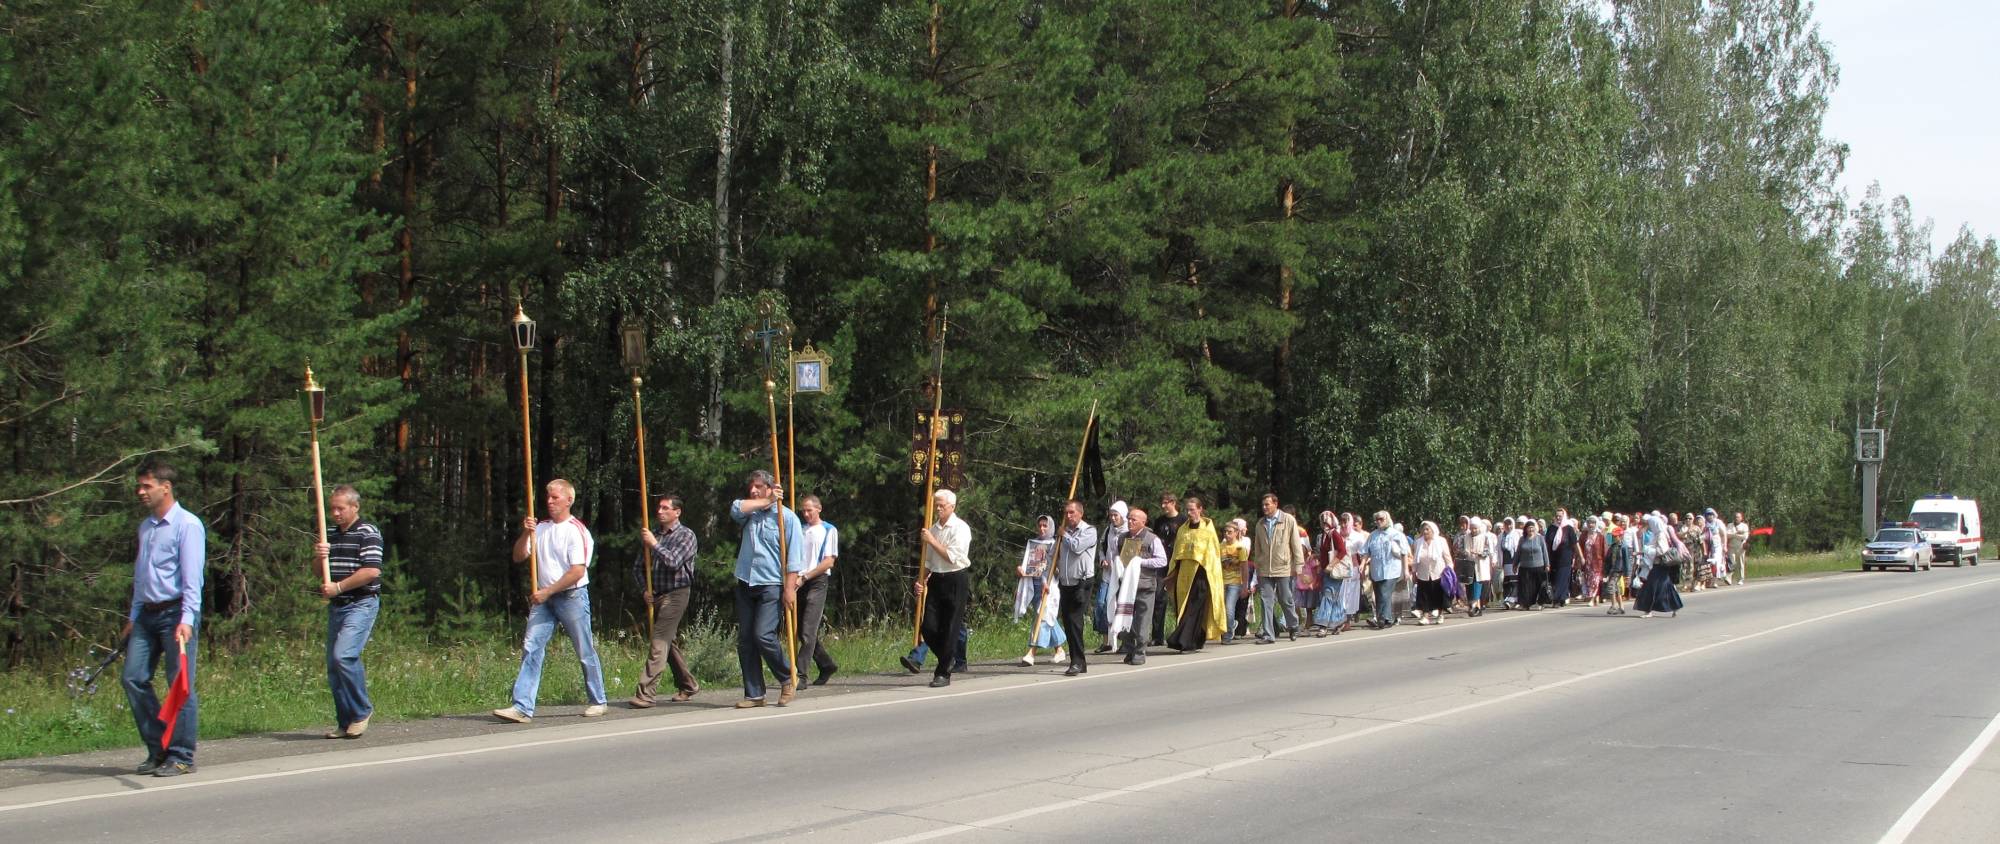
x=1450 y=582
x=1341 y=570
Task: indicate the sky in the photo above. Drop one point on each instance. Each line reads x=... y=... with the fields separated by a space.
x=1916 y=106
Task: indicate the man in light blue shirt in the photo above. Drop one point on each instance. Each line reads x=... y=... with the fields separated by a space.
x=763 y=586
x=164 y=617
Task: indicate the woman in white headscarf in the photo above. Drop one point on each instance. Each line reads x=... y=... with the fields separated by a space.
x=1107 y=557
x=1350 y=589
x=1040 y=557
x=1432 y=555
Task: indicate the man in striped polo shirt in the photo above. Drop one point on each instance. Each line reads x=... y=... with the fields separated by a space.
x=352 y=552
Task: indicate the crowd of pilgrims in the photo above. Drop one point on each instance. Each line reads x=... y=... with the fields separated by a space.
x=1270 y=575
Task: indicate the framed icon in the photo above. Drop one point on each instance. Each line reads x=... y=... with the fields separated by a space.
x=809 y=370
x=1869 y=445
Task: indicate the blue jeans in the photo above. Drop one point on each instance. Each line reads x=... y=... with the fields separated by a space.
x=152 y=639
x=572 y=610
x=1230 y=593
x=1099 y=620
x=347 y=629
x=1276 y=593
x=1385 y=600
x=923 y=651
x=758 y=612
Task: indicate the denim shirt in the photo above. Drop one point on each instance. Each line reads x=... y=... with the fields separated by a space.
x=757 y=557
x=1385 y=550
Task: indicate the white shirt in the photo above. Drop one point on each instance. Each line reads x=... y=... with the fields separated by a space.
x=822 y=541
x=560 y=545
x=957 y=537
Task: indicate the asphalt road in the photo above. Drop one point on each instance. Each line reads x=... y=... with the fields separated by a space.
x=1813 y=710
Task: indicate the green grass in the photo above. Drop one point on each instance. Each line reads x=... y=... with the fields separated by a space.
x=278 y=683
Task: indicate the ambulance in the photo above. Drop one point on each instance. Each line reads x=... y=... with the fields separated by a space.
x=1951 y=525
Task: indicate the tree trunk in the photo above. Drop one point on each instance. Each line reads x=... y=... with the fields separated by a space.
x=725 y=154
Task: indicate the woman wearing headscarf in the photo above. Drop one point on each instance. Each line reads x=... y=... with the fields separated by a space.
x=1107 y=557
x=1034 y=562
x=1656 y=591
x=1236 y=574
x=1305 y=584
x=1477 y=550
x=1593 y=547
x=1039 y=558
x=1432 y=556
x=1350 y=589
x=1532 y=560
x=1510 y=550
x=1197 y=577
x=1330 y=556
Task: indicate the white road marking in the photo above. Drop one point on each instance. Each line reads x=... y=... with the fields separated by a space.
x=1929 y=799
x=991 y=823
x=126 y=787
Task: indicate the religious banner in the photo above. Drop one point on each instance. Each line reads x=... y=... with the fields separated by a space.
x=949 y=460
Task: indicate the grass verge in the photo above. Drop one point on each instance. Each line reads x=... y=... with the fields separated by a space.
x=278 y=683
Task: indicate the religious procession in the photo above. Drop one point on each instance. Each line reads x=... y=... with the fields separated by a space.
x=1176 y=577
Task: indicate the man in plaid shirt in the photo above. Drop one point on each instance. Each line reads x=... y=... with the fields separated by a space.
x=671 y=551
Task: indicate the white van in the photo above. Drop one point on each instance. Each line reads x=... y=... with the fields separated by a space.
x=1951 y=525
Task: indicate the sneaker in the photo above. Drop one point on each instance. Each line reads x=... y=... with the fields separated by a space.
x=152 y=763
x=357 y=729
x=594 y=710
x=174 y=769
x=514 y=714
x=1026 y=661
x=1061 y=656
x=750 y=703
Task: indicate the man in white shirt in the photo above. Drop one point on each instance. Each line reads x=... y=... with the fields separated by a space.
x=947 y=549
x=822 y=541
x=561 y=548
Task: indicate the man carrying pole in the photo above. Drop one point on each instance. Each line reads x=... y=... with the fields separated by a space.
x=670 y=555
x=561 y=569
x=943 y=595
x=351 y=555
x=767 y=572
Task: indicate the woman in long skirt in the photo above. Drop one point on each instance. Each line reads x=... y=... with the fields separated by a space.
x=1433 y=556
x=1039 y=558
x=1591 y=557
x=1657 y=592
x=1350 y=589
x=1330 y=553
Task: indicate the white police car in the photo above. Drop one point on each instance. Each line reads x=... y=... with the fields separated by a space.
x=1899 y=545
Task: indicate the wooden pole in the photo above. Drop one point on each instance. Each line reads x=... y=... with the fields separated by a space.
x=1049 y=573
x=319 y=507
x=645 y=502
x=930 y=479
x=784 y=550
x=528 y=468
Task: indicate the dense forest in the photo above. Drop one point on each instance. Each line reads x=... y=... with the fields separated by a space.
x=1438 y=256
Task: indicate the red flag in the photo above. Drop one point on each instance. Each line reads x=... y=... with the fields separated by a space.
x=1766 y=530
x=170 y=709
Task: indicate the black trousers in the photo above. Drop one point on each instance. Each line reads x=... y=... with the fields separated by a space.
x=1532 y=581
x=1076 y=600
x=945 y=597
x=1159 y=625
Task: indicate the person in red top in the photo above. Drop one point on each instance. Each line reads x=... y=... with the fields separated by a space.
x=1329 y=558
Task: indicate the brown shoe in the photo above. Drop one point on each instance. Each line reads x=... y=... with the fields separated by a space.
x=640 y=702
x=357 y=729
x=750 y=703
x=789 y=691
x=685 y=696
